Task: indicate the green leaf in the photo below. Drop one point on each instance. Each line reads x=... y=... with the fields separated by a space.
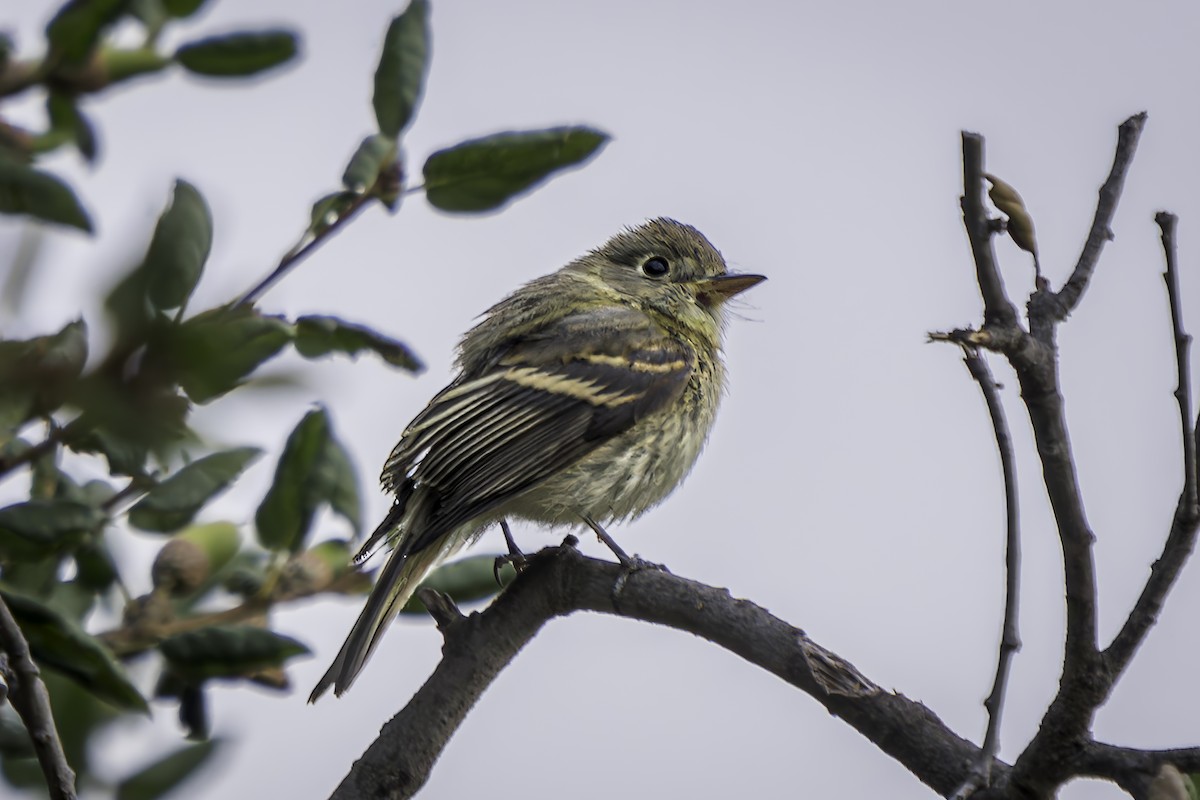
x=25 y=190
x=214 y=351
x=173 y=503
x=400 y=76
x=77 y=26
x=58 y=643
x=95 y=566
x=126 y=417
x=37 y=528
x=65 y=115
x=312 y=470
x=180 y=246
x=337 y=482
x=238 y=54
x=231 y=651
x=329 y=209
x=182 y=8
x=466 y=580
x=167 y=773
x=318 y=336
x=124 y=456
x=373 y=155
x=36 y=375
x=484 y=174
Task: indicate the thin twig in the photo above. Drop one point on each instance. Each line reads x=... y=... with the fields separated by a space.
x=1181 y=540
x=1183 y=340
x=53 y=439
x=130 y=640
x=29 y=698
x=997 y=308
x=1010 y=637
x=1110 y=193
x=293 y=257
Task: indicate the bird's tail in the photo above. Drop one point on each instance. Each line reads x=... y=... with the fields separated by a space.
x=397 y=582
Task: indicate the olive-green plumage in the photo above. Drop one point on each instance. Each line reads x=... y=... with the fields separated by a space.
x=587 y=392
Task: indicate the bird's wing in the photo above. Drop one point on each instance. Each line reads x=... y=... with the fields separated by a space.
x=539 y=405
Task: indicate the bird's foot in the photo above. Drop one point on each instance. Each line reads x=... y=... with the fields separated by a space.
x=515 y=557
x=629 y=564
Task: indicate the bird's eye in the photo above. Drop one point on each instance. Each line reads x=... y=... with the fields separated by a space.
x=655 y=267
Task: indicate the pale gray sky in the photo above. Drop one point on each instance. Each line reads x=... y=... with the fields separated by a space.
x=851 y=486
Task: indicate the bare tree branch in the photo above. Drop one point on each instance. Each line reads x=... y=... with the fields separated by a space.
x=1133 y=769
x=1182 y=537
x=560 y=581
x=1010 y=637
x=1101 y=231
x=29 y=699
x=997 y=308
x=387 y=185
x=1065 y=728
x=1183 y=341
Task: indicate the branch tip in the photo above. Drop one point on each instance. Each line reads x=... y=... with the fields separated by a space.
x=439 y=605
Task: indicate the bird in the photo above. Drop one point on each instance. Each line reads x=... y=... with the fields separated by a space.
x=583 y=398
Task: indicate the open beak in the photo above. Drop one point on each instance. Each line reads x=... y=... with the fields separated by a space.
x=719 y=288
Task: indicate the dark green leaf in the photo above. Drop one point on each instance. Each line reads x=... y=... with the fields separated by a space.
x=182 y=8
x=466 y=580
x=164 y=775
x=37 y=374
x=58 y=643
x=375 y=153
x=329 y=210
x=14 y=737
x=227 y=651
x=173 y=503
x=71 y=599
x=318 y=336
x=214 y=351
x=336 y=482
x=124 y=456
x=312 y=470
x=126 y=416
x=285 y=514
x=25 y=190
x=238 y=54
x=95 y=566
x=484 y=174
x=65 y=115
x=400 y=76
x=38 y=528
x=129 y=309
x=77 y=26
x=180 y=245
x=80 y=717
x=193 y=712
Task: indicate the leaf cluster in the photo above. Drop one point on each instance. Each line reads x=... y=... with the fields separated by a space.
x=68 y=408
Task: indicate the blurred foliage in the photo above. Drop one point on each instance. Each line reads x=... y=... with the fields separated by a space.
x=125 y=411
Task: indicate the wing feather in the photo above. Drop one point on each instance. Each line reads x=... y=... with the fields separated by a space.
x=535 y=408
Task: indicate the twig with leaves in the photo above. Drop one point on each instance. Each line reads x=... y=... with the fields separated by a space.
x=28 y=696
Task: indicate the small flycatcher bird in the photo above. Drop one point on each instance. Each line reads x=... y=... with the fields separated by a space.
x=584 y=397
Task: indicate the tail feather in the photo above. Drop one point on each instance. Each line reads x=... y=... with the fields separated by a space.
x=397 y=582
